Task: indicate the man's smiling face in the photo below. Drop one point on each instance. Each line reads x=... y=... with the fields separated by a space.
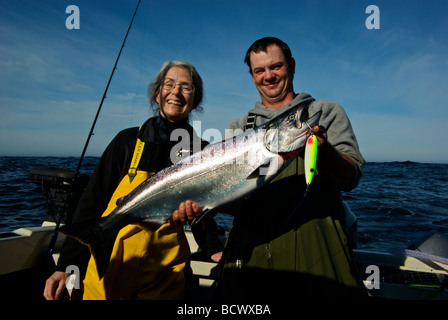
x=273 y=76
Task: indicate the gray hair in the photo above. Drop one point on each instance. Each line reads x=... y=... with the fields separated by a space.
x=155 y=85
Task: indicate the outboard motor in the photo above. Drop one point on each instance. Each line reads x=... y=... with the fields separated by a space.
x=56 y=185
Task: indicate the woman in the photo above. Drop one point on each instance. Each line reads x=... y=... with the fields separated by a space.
x=145 y=263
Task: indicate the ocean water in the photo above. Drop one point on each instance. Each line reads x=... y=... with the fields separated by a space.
x=395 y=202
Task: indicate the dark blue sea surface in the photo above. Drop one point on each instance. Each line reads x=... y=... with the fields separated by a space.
x=395 y=202
x=21 y=201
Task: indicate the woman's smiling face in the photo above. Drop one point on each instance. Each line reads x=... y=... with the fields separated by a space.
x=175 y=104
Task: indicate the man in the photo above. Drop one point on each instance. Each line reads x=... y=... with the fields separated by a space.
x=283 y=243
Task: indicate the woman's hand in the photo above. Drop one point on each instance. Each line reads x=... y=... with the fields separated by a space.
x=187 y=211
x=55 y=285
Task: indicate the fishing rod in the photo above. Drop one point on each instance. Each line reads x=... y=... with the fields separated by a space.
x=75 y=177
x=105 y=92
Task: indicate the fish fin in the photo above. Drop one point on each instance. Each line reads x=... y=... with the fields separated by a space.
x=262 y=169
x=254 y=175
x=100 y=241
x=120 y=201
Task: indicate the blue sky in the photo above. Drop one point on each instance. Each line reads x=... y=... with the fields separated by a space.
x=391 y=81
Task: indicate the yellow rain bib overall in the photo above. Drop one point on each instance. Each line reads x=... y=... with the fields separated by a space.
x=145 y=264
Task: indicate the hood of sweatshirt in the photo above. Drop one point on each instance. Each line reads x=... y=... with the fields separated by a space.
x=266 y=113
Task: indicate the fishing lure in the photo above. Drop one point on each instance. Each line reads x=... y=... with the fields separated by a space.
x=310 y=158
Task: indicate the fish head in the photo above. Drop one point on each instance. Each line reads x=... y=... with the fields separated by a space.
x=288 y=132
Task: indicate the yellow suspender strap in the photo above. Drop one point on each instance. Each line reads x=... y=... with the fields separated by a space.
x=136 y=159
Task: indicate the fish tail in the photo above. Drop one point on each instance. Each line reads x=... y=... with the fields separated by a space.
x=99 y=239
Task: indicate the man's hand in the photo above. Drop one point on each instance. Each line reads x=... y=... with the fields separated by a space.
x=321 y=135
x=187 y=211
